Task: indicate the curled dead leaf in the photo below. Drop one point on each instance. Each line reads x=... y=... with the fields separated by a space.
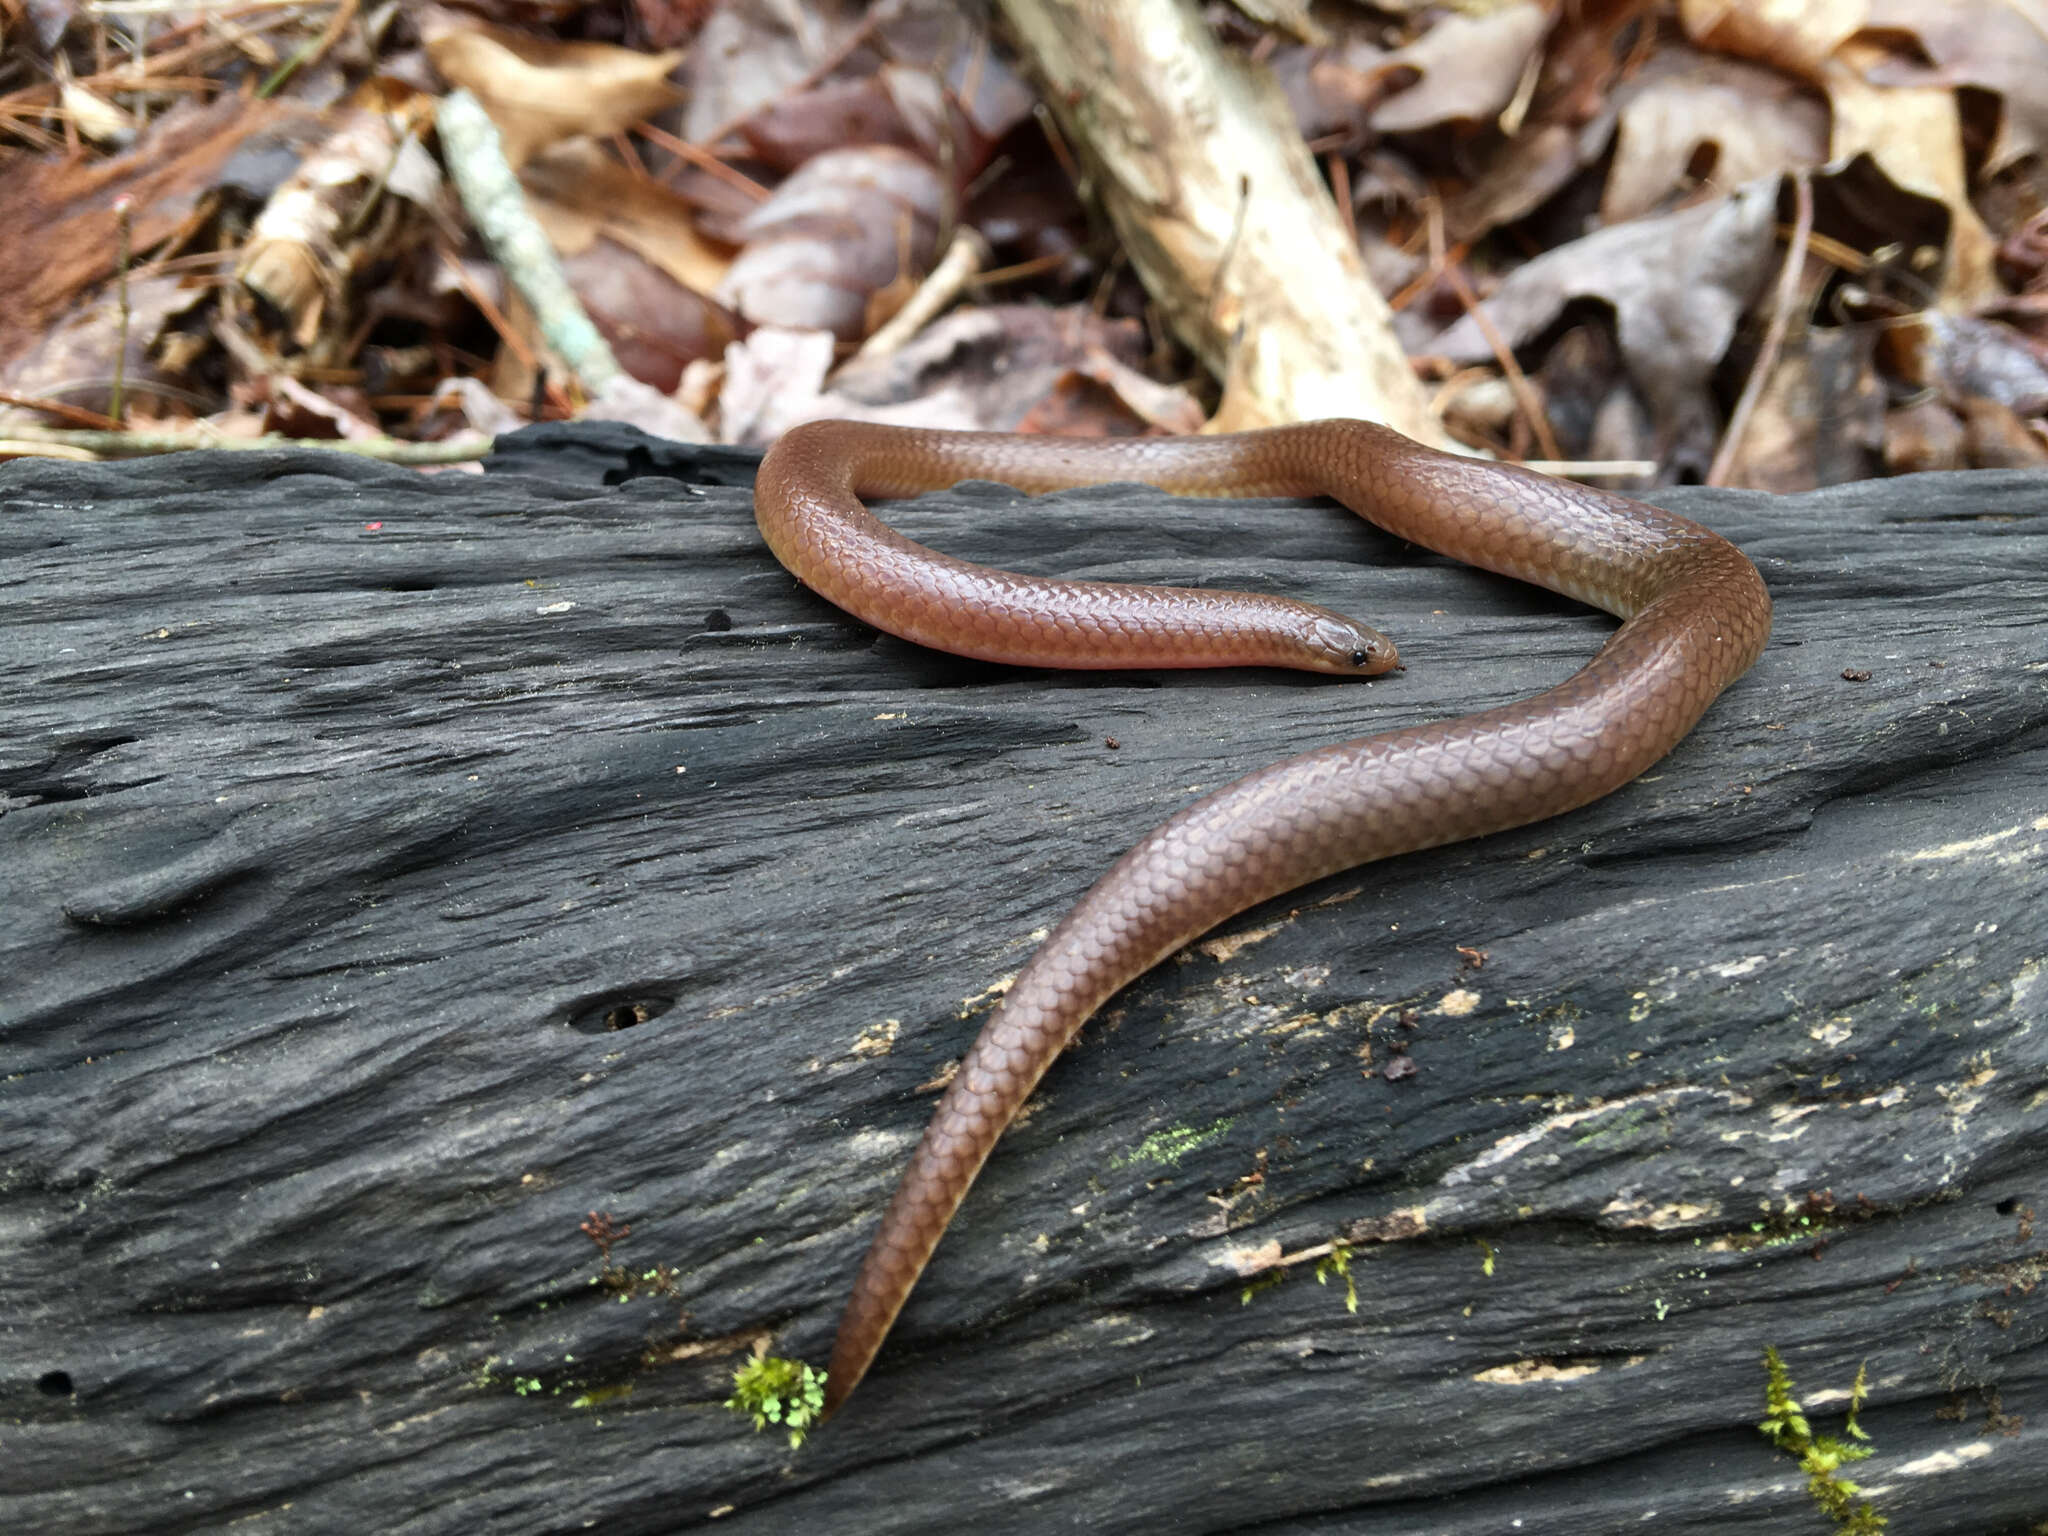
x=846 y=225
x=539 y=91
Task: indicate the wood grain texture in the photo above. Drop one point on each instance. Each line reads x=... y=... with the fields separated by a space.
x=329 y=854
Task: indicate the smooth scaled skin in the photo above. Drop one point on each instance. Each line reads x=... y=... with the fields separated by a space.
x=1695 y=614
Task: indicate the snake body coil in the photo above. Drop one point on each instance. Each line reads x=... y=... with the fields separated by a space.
x=1695 y=613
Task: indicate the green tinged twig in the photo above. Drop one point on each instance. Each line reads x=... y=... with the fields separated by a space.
x=490 y=191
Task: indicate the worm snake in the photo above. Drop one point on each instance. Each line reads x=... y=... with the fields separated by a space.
x=1695 y=616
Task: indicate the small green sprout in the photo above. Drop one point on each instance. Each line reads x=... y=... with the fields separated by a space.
x=1339 y=1263
x=771 y=1390
x=1821 y=1457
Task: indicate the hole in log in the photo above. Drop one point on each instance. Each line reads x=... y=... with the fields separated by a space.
x=608 y=1014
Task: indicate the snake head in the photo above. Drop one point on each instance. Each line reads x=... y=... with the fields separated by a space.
x=1349 y=648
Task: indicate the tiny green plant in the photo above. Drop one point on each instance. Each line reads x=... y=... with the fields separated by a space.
x=771 y=1390
x=1338 y=1262
x=1821 y=1457
x=1335 y=1260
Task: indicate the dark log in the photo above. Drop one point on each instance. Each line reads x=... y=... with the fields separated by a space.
x=399 y=869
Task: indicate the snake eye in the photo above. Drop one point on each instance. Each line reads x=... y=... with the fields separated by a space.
x=1360 y=658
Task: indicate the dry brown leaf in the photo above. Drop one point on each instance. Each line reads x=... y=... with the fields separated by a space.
x=1913 y=132
x=1999 y=46
x=1677 y=283
x=1965 y=358
x=1469 y=66
x=1574 y=107
x=1915 y=135
x=656 y=326
x=73 y=359
x=540 y=92
x=1010 y=365
x=1922 y=436
x=1797 y=36
x=845 y=226
x=292 y=409
x=651 y=410
x=579 y=192
x=1529 y=170
x=665 y=23
x=1996 y=438
x=1748 y=121
x=774 y=379
x=891 y=106
x=1820 y=418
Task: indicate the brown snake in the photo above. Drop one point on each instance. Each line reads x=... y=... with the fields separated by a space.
x=1695 y=614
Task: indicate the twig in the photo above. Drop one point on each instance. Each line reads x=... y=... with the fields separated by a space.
x=543 y=391
x=1340 y=189
x=1525 y=392
x=390 y=450
x=956 y=269
x=1592 y=469
x=1018 y=271
x=77 y=415
x=703 y=159
x=124 y=225
x=491 y=193
x=311 y=53
x=1774 y=335
x=1229 y=252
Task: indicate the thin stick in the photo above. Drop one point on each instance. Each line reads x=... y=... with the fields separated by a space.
x=311 y=53
x=1525 y=392
x=1774 y=335
x=391 y=450
x=954 y=272
x=123 y=222
x=77 y=415
x=497 y=207
x=703 y=159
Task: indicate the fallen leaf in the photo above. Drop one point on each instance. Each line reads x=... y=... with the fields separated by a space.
x=1820 y=418
x=539 y=91
x=1799 y=39
x=1690 y=115
x=1926 y=435
x=2000 y=46
x=1962 y=358
x=846 y=225
x=581 y=193
x=1677 y=284
x=1468 y=67
x=751 y=52
x=1913 y=132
